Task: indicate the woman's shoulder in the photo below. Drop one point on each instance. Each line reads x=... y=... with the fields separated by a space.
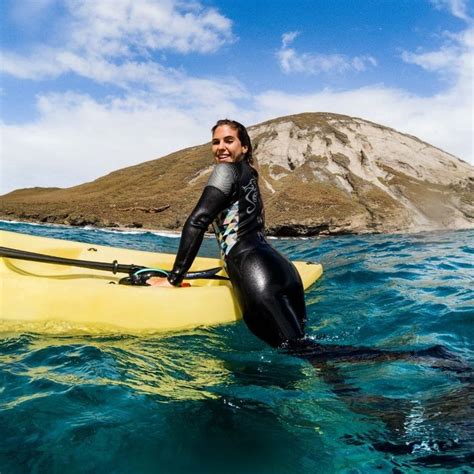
x=223 y=176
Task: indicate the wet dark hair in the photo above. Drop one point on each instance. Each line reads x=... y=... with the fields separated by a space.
x=241 y=133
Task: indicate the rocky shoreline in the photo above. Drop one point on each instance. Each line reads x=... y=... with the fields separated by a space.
x=285 y=230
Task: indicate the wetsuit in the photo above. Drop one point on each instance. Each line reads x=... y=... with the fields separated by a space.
x=267 y=285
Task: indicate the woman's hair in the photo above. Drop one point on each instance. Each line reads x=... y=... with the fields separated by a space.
x=243 y=137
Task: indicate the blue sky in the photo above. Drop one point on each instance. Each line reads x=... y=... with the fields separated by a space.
x=90 y=86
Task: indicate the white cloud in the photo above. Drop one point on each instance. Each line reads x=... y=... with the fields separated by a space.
x=167 y=85
x=99 y=37
x=121 y=27
x=444 y=119
x=77 y=139
x=110 y=42
x=288 y=38
x=291 y=61
x=454 y=60
x=458 y=8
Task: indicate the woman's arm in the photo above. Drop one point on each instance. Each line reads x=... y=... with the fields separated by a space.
x=210 y=204
x=217 y=196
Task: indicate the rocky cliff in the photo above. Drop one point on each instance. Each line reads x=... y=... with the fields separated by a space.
x=320 y=173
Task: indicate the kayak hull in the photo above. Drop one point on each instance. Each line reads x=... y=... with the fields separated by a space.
x=51 y=298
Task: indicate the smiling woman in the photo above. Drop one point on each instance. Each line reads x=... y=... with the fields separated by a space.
x=268 y=287
x=226 y=146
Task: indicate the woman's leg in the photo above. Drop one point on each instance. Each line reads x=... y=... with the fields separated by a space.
x=270 y=293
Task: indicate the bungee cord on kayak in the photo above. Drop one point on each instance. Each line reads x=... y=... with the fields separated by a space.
x=137 y=274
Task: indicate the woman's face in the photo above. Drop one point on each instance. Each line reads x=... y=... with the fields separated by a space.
x=226 y=145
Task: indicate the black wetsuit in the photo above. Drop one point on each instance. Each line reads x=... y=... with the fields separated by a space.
x=267 y=285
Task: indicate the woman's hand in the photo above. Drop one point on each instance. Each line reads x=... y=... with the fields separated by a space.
x=163 y=282
x=159 y=281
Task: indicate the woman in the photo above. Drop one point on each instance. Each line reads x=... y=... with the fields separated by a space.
x=267 y=285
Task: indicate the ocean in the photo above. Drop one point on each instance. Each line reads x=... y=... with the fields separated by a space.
x=218 y=400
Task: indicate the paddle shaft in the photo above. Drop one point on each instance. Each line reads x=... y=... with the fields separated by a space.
x=113 y=267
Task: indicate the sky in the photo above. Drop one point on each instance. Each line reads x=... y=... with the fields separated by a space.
x=91 y=86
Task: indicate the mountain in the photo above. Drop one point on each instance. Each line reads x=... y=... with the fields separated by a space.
x=320 y=173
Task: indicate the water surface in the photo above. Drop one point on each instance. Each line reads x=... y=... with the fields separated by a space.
x=219 y=400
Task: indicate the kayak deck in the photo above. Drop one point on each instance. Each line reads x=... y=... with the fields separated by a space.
x=51 y=298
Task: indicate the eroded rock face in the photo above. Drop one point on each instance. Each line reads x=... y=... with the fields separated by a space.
x=331 y=174
x=320 y=173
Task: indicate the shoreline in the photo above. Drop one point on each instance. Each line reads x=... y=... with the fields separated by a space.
x=119 y=229
x=141 y=230
x=177 y=234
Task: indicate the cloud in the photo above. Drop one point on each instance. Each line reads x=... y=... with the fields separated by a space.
x=105 y=40
x=111 y=42
x=288 y=38
x=458 y=8
x=77 y=138
x=444 y=119
x=453 y=61
x=292 y=62
x=124 y=27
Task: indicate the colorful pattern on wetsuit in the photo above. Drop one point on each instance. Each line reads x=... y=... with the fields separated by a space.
x=226 y=226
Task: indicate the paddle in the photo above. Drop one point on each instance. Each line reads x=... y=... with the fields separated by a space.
x=114 y=267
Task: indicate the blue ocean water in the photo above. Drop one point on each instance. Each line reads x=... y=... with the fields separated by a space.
x=217 y=400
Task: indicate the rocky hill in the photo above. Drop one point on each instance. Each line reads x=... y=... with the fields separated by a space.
x=320 y=173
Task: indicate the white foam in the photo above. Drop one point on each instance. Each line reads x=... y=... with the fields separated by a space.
x=114 y=231
x=24 y=223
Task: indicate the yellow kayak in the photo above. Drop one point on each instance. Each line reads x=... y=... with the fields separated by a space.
x=52 y=298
